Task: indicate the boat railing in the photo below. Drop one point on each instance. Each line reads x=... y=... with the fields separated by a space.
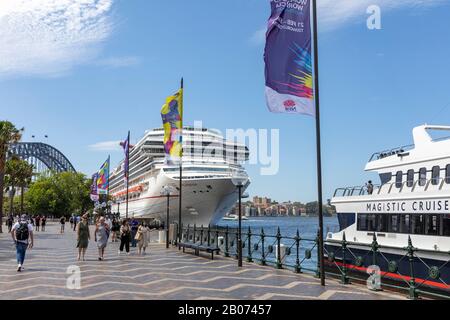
x=344 y=262
x=387 y=153
x=433 y=184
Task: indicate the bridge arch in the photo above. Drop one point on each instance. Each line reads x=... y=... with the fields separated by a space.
x=49 y=156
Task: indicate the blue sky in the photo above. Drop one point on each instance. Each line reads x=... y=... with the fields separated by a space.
x=92 y=80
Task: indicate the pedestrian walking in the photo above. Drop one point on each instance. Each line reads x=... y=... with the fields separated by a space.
x=115 y=228
x=37 y=222
x=75 y=222
x=10 y=222
x=22 y=235
x=71 y=222
x=125 y=234
x=62 y=221
x=43 y=223
x=101 y=237
x=83 y=236
x=134 y=229
x=143 y=235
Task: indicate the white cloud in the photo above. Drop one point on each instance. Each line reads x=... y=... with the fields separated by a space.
x=119 y=62
x=106 y=146
x=333 y=14
x=49 y=37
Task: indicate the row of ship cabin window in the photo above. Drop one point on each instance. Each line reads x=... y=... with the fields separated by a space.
x=422 y=181
x=423 y=224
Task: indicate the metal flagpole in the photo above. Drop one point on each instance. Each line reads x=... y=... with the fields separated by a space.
x=319 y=156
x=108 y=208
x=181 y=168
x=128 y=171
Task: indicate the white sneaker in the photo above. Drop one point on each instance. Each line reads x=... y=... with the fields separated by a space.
x=19 y=268
x=118 y=252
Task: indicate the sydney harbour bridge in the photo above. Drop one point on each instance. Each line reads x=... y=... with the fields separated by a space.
x=42 y=156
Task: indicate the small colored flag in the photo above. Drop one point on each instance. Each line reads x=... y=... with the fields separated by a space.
x=126 y=149
x=103 y=178
x=172 y=118
x=289 y=76
x=94 y=194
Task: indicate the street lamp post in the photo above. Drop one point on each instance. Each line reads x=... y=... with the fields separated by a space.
x=166 y=191
x=239 y=179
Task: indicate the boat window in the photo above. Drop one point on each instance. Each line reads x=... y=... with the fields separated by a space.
x=432 y=224
x=362 y=222
x=422 y=176
x=371 y=222
x=393 y=223
x=410 y=178
x=405 y=223
x=385 y=177
x=382 y=223
x=435 y=175
x=447 y=174
x=417 y=224
x=446 y=225
x=399 y=179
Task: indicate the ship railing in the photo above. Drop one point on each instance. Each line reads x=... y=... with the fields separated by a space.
x=433 y=184
x=345 y=260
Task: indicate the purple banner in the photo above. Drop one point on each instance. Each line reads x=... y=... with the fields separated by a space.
x=94 y=191
x=289 y=78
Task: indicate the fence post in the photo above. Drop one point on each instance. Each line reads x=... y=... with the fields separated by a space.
x=279 y=263
x=298 y=268
x=344 y=277
x=249 y=248
x=209 y=235
x=227 y=254
x=194 y=239
x=201 y=236
x=217 y=238
x=236 y=244
x=413 y=295
x=187 y=233
x=263 y=255
x=318 y=256
x=374 y=249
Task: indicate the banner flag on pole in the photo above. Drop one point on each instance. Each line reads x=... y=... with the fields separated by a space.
x=126 y=149
x=289 y=76
x=94 y=194
x=103 y=178
x=172 y=118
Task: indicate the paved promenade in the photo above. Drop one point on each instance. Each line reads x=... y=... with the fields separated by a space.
x=161 y=274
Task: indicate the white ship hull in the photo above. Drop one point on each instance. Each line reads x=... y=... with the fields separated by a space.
x=204 y=201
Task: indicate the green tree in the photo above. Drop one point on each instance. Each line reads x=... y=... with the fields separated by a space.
x=59 y=194
x=18 y=173
x=8 y=134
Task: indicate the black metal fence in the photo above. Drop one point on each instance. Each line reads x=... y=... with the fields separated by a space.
x=344 y=259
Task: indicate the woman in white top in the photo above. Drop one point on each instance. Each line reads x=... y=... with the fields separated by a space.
x=143 y=236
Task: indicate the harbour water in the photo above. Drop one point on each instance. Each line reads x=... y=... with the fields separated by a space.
x=306 y=226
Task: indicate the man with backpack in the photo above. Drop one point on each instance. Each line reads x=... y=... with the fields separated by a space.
x=22 y=234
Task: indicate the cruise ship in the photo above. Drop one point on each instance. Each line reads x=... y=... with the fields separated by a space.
x=207 y=190
x=412 y=201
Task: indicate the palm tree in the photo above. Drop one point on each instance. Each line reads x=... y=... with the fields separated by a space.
x=18 y=174
x=8 y=134
x=12 y=176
